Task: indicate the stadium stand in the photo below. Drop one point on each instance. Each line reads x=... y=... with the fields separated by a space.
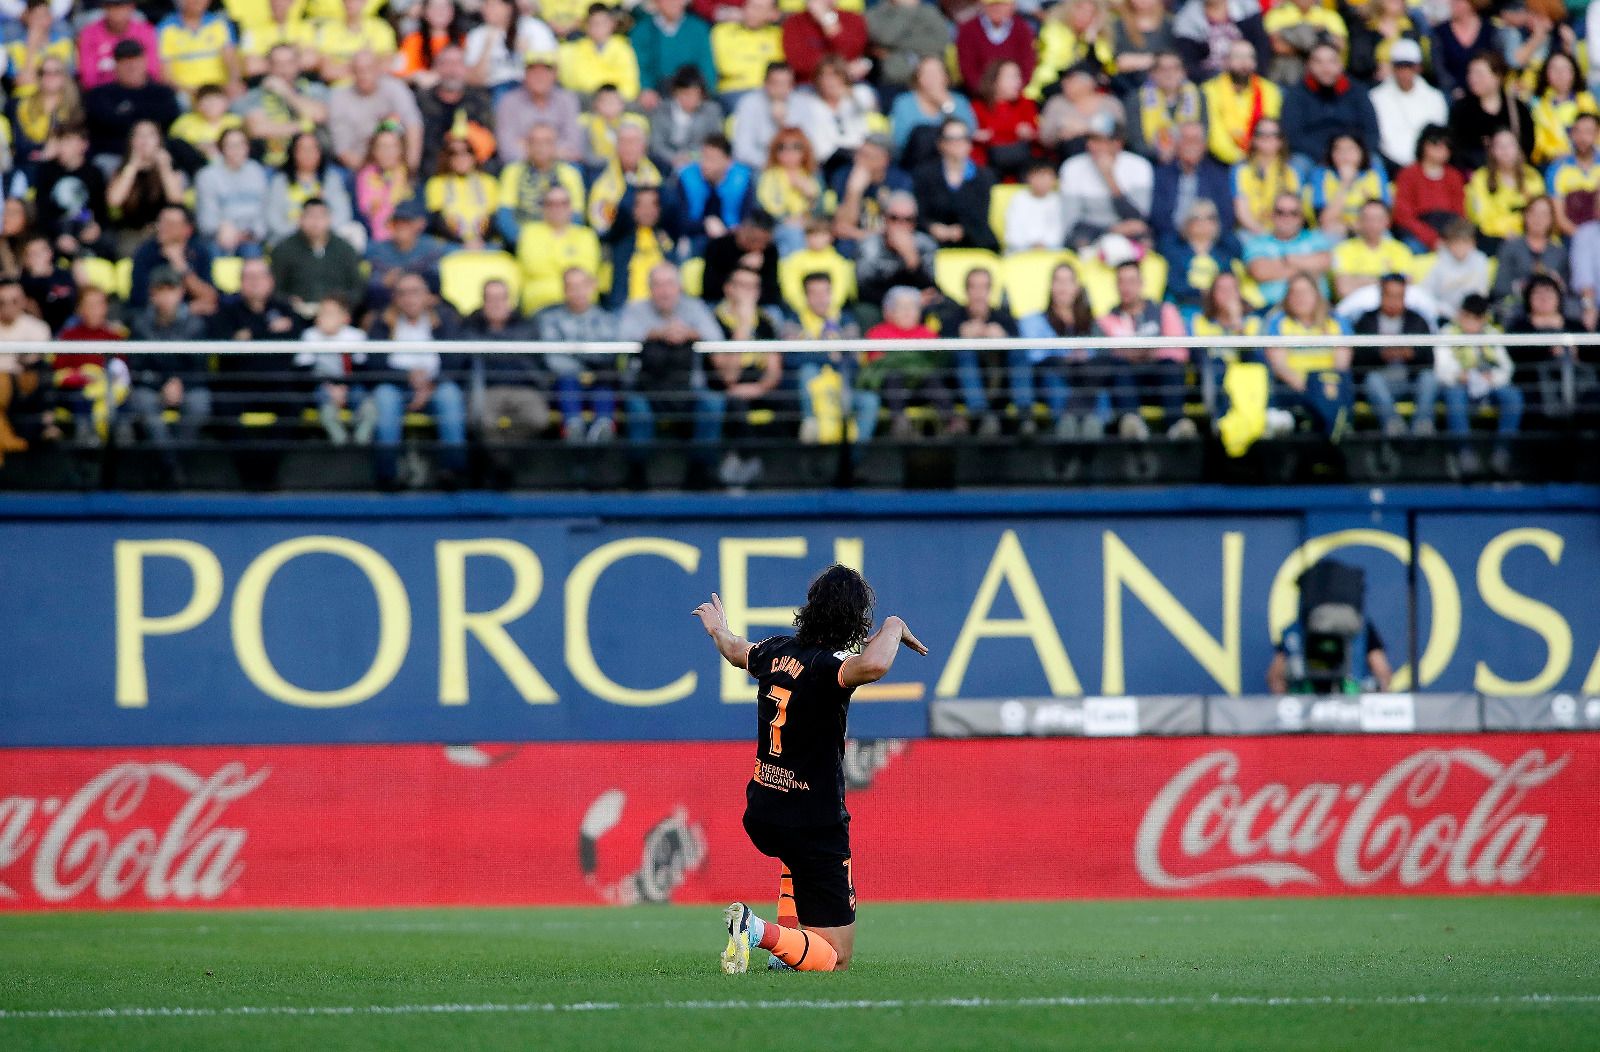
x=1213 y=170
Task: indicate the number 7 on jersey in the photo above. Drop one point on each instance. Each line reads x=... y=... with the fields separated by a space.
x=781 y=696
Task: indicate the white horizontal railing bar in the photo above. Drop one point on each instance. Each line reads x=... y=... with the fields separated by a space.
x=1015 y=343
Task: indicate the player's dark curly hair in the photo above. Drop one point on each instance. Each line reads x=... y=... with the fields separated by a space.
x=838 y=610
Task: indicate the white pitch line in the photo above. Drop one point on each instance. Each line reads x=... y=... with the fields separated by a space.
x=535 y=1008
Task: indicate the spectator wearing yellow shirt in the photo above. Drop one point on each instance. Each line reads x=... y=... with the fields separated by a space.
x=1348 y=178
x=566 y=17
x=1166 y=101
x=632 y=170
x=600 y=56
x=1574 y=182
x=1071 y=32
x=1343 y=185
x=333 y=10
x=607 y=114
x=197 y=48
x=282 y=26
x=1361 y=260
x=524 y=184
x=638 y=246
x=1237 y=100
x=788 y=189
x=340 y=40
x=42 y=38
x=202 y=127
x=1499 y=191
x=549 y=248
x=53 y=105
x=1295 y=27
x=462 y=199
x=744 y=49
x=1262 y=177
x=1558 y=101
x=249 y=14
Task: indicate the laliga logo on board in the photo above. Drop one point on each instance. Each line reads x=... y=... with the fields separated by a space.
x=191 y=858
x=1393 y=828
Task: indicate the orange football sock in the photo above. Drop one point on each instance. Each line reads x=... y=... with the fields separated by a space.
x=786 y=911
x=799 y=948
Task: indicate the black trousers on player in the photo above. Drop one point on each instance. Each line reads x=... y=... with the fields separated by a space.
x=818 y=858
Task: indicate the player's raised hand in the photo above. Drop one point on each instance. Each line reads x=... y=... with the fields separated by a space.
x=711 y=615
x=916 y=645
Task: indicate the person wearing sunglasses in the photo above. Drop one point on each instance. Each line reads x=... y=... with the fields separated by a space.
x=1289 y=248
x=954 y=192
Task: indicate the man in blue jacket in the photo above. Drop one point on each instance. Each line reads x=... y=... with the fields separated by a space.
x=1190 y=176
x=715 y=194
x=1325 y=103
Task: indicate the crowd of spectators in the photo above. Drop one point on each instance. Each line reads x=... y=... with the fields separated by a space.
x=348 y=171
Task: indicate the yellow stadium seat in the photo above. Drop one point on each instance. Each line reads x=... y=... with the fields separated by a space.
x=1100 y=281
x=124 y=277
x=693 y=275
x=1026 y=277
x=226 y=272
x=1421 y=264
x=99 y=273
x=877 y=123
x=462 y=276
x=999 y=200
x=793 y=269
x=952 y=265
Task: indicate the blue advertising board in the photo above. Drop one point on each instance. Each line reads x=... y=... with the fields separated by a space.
x=123 y=629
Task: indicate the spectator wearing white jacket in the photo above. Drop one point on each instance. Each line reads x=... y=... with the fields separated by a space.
x=1406 y=104
x=1036 y=217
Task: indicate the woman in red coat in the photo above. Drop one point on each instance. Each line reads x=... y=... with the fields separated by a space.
x=1008 y=124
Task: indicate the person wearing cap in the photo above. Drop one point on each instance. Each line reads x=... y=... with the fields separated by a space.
x=159 y=382
x=1236 y=100
x=372 y=97
x=538 y=100
x=410 y=249
x=1374 y=33
x=112 y=108
x=1360 y=260
x=1388 y=373
x=1406 y=104
x=97 y=42
x=1106 y=188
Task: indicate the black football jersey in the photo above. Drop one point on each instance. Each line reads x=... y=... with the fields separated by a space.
x=803 y=708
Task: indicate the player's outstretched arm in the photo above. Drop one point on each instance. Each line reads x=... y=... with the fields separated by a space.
x=877 y=657
x=736 y=649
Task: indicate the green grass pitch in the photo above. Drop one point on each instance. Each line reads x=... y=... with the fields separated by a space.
x=1323 y=974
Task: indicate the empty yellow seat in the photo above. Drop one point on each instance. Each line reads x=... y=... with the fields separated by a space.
x=462 y=276
x=1026 y=277
x=226 y=272
x=952 y=265
x=1000 y=200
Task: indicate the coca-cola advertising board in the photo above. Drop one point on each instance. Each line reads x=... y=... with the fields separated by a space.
x=605 y=823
